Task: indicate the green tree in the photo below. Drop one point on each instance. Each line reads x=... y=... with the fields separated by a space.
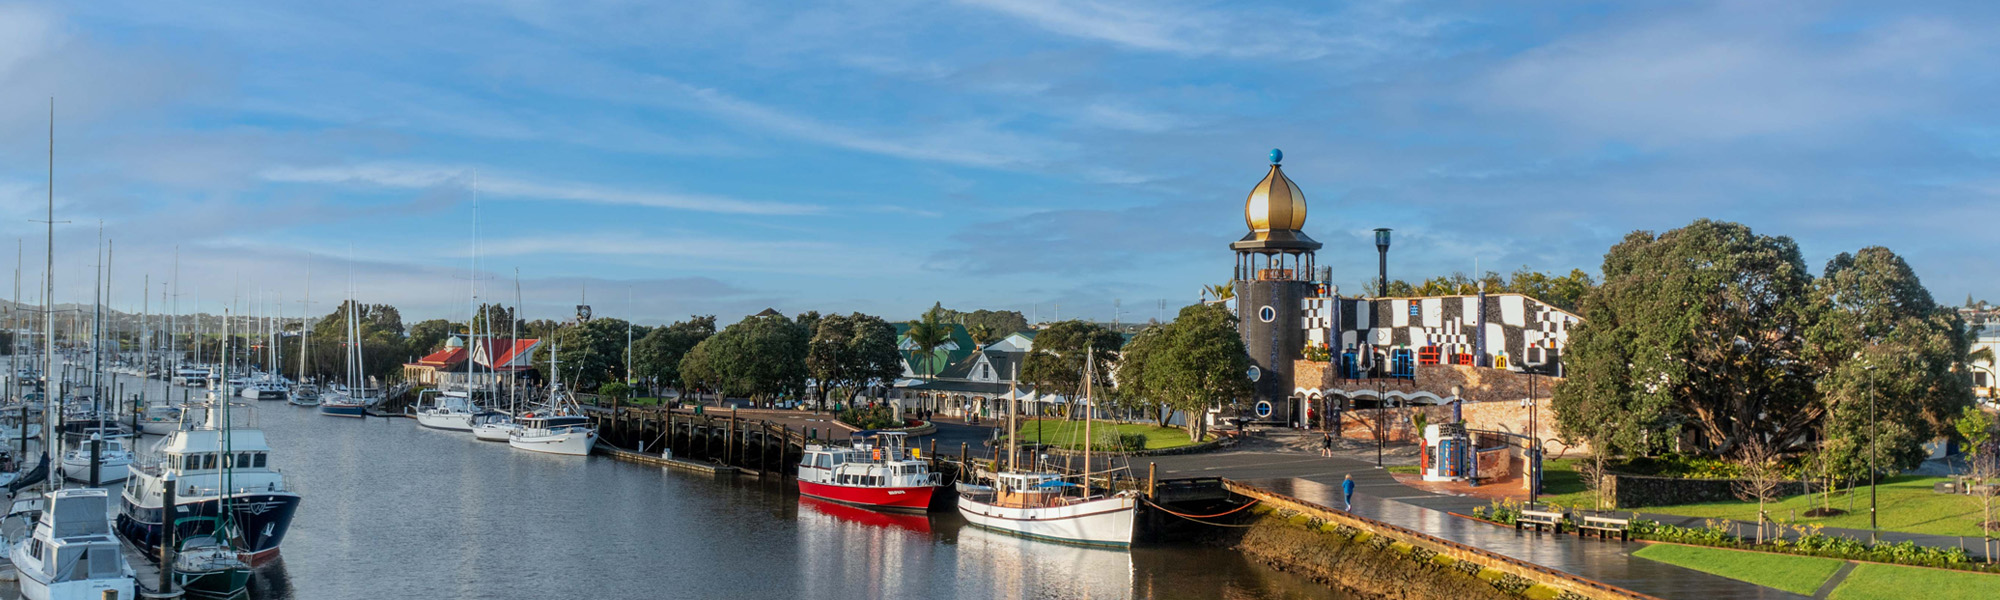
x=758 y=357
x=429 y=336
x=615 y=391
x=925 y=336
x=1226 y=291
x=847 y=353
x=590 y=354
x=383 y=347
x=1976 y=428
x=1873 y=312
x=1188 y=365
x=980 y=333
x=501 y=317
x=1056 y=364
x=657 y=357
x=1133 y=361
x=1697 y=328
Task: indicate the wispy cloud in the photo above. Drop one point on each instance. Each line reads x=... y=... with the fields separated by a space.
x=507 y=186
x=1237 y=32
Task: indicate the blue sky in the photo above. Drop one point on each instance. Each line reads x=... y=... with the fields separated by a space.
x=1006 y=154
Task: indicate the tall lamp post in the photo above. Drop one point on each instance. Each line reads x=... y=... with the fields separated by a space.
x=1381 y=413
x=1872 y=473
x=1382 y=261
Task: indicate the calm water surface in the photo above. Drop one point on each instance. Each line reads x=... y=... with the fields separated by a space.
x=393 y=510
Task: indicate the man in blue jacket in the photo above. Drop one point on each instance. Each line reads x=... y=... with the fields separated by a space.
x=1347 y=491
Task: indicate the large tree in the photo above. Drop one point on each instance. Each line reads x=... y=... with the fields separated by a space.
x=1056 y=364
x=925 y=336
x=657 y=357
x=759 y=357
x=428 y=336
x=1880 y=333
x=589 y=355
x=1195 y=362
x=383 y=348
x=1698 y=328
x=847 y=353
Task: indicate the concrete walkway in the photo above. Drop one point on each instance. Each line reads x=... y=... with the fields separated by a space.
x=1314 y=479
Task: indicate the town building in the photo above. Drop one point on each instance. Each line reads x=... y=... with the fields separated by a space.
x=493 y=359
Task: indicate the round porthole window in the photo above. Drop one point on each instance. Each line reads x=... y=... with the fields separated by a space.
x=1256 y=373
x=1268 y=314
x=1263 y=409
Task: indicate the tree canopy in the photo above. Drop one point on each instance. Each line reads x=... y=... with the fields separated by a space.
x=429 y=336
x=848 y=352
x=758 y=357
x=589 y=355
x=1056 y=364
x=657 y=357
x=1188 y=365
x=1719 y=336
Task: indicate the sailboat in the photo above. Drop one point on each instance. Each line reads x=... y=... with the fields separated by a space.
x=304 y=391
x=558 y=426
x=351 y=398
x=70 y=553
x=212 y=565
x=1047 y=505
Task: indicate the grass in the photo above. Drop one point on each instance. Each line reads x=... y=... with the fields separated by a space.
x=1069 y=434
x=1796 y=574
x=1906 y=504
x=1871 y=581
x=1406 y=469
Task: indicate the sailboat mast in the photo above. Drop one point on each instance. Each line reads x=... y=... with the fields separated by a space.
x=1013 y=406
x=1089 y=365
x=49 y=393
x=513 y=337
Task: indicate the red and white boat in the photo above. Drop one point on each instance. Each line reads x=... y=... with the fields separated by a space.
x=878 y=471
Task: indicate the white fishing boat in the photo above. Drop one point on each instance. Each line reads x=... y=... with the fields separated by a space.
x=114 y=461
x=216 y=467
x=1049 y=506
x=160 y=419
x=71 y=554
x=304 y=394
x=566 y=434
x=265 y=386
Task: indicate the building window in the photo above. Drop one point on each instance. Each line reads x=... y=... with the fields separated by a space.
x=1267 y=314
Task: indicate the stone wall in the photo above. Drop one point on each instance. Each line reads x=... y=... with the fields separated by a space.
x=1503 y=417
x=1380 y=560
x=1627 y=492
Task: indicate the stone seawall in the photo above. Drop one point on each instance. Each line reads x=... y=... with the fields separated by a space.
x=1379 y=560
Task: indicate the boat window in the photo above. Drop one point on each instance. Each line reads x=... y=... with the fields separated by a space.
x=824 y=461
x=193 y=462
x=243 y=460
x=839 y=458
x=208 y=461
x=259 y=458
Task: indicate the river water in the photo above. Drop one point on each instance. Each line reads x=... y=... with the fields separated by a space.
x=393 y=510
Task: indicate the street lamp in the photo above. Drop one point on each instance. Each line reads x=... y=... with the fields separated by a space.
x=1381 y=413
x=1872 y=474
x=1382 y=264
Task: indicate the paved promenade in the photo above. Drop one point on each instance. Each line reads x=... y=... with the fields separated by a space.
x=1378 y=496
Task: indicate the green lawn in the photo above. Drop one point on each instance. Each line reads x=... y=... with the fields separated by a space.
x=1069 y=434
x=1906 y=504
x=1796 y=574
x=1893 y=582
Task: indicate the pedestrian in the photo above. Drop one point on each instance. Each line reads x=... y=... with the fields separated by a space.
x=1347 y=491
x=1326 y=445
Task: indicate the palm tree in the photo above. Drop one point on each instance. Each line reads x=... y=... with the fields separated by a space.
x=980 y=333
x=1222 y=292
x=927 y=335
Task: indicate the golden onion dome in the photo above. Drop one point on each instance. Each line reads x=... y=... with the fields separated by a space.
x=1276 y=203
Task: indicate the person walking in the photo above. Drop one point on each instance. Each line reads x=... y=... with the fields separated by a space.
x=1347 y=491
x=1326 y=445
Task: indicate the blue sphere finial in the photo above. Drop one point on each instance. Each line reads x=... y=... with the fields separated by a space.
x=1277 y=155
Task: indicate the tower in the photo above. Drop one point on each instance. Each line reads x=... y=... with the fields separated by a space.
x=1274 y=271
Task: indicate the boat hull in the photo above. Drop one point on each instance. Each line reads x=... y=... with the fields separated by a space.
x=571 y=443
x=89 y=589
x=110 y=471
x=264 y=519
x=214 y=585
x=445 y=421
x=343 y=410
x=493 y=434
x=914 y=499
x=1099 y=522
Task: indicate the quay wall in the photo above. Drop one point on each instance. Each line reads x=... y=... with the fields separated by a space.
x=1380 y=560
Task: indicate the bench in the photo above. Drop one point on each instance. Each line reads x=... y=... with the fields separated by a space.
x=1539 y=519
x=1605 y=526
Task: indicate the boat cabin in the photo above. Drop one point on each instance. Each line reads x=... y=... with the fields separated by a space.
x=875 y=459
x=1029 y=490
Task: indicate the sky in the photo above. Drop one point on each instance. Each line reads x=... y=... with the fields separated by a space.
x=1063 y=158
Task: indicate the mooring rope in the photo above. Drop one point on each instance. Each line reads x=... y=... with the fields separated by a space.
x=1195 y=517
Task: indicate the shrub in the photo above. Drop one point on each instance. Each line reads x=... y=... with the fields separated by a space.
x=874 y=417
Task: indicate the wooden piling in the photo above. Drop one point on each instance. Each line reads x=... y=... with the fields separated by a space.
x=1152 y=478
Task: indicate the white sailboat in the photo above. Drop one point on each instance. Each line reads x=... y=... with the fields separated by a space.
x=350 y=399
x=1045 y=505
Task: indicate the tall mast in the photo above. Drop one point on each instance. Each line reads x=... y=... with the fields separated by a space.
x=49 y=395
x=1013 y=402
x=1089 y=365
x=97 y=329
x=145 y=334
x=514 y=337
x=305 y=324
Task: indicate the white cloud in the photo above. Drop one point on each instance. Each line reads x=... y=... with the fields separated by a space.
x=1729 y=74
x=505 y=186
x=1362 y=32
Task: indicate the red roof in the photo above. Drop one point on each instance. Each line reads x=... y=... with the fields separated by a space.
x=512 y=355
